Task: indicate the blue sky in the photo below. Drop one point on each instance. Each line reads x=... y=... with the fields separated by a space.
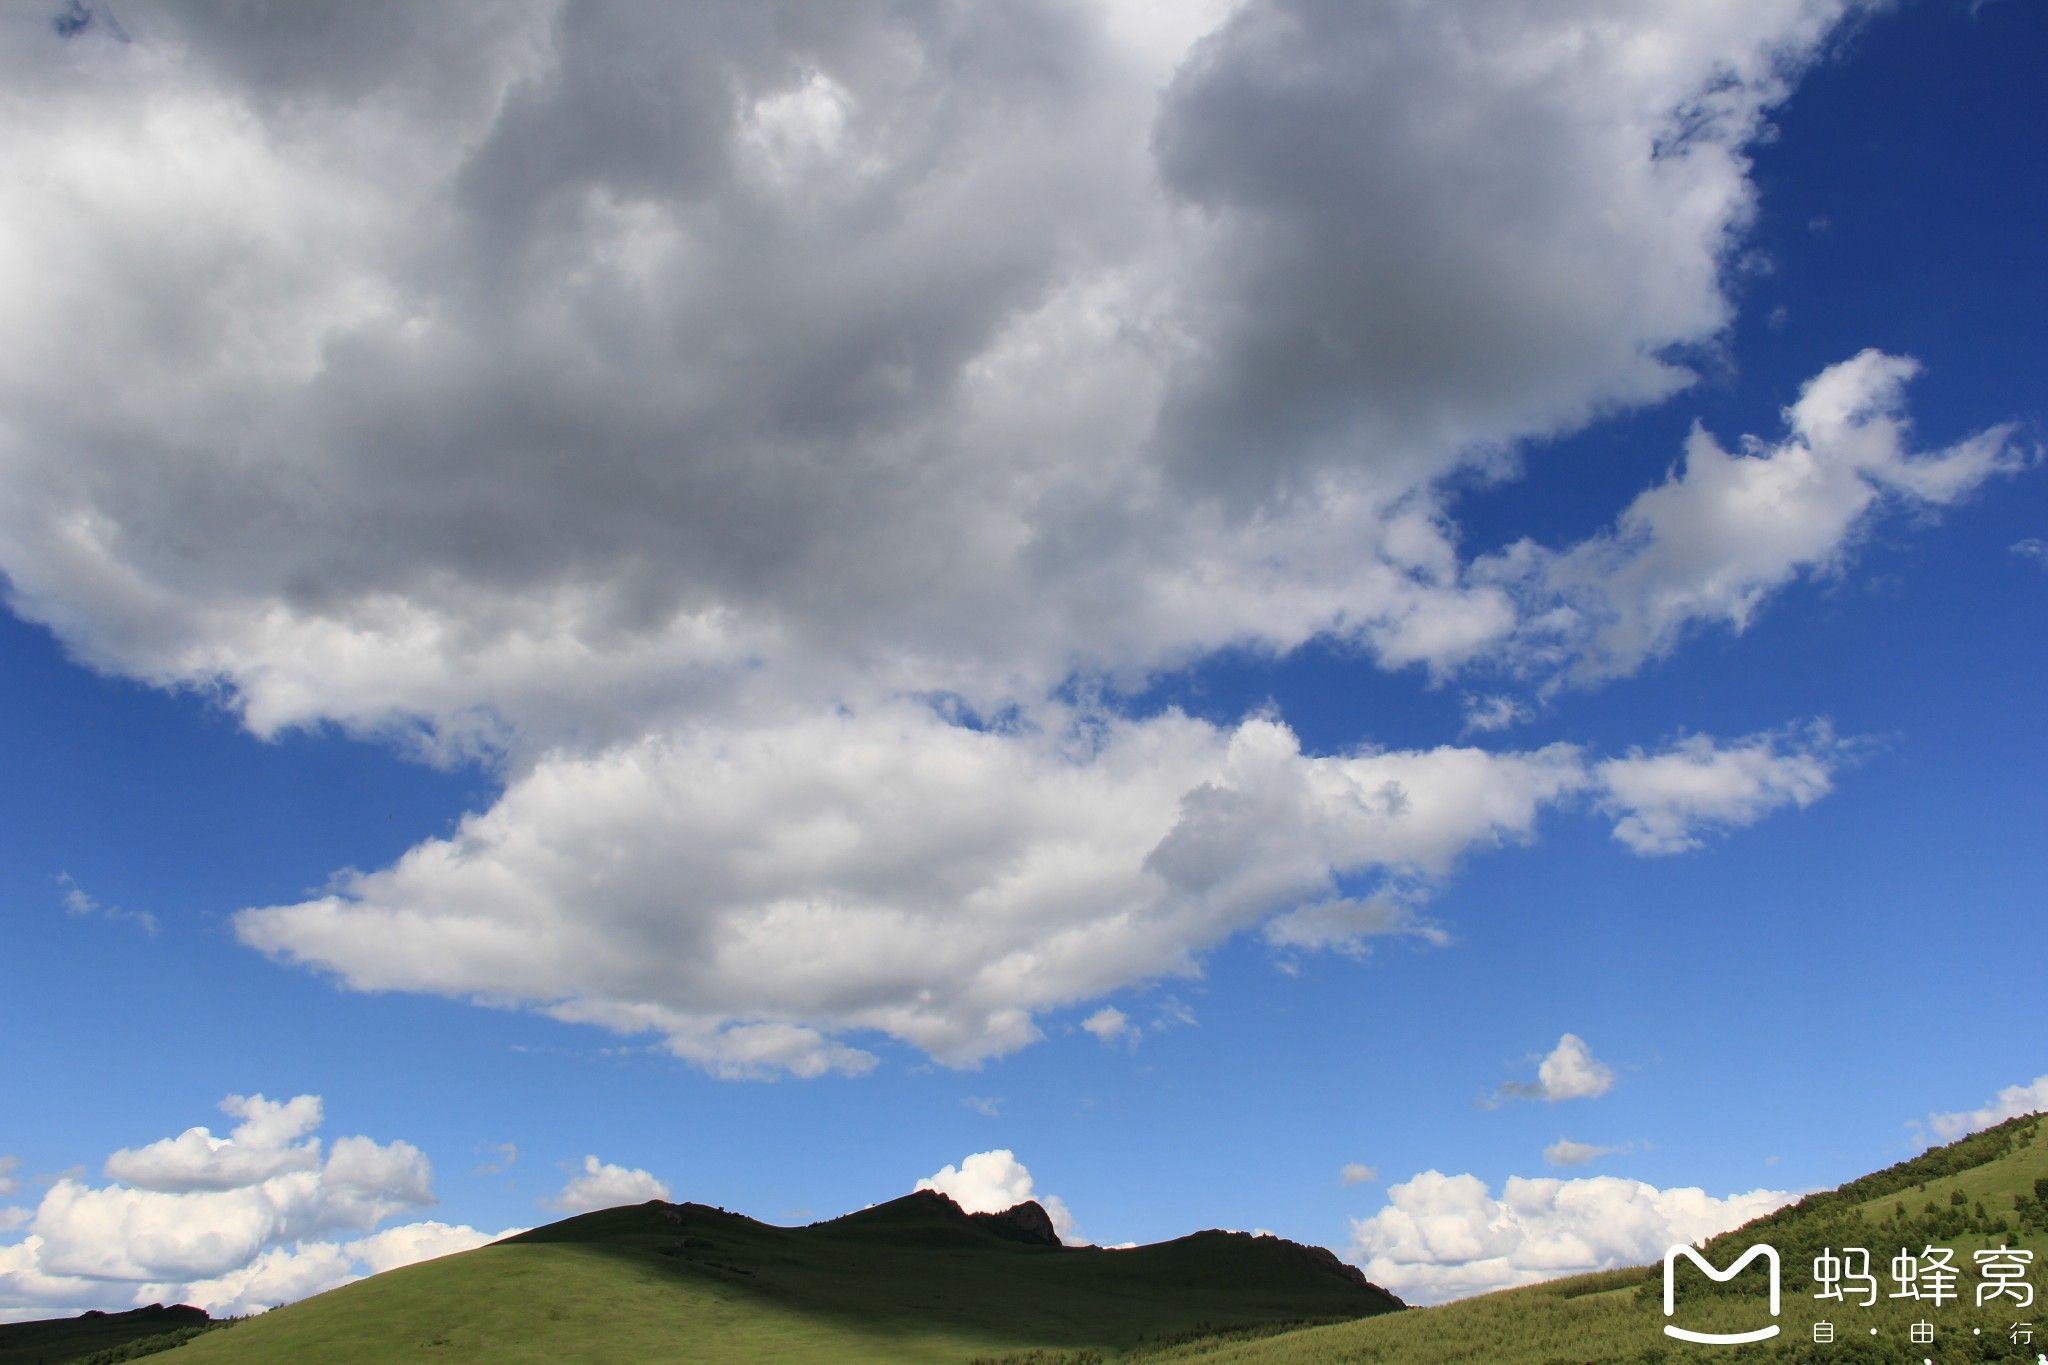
x=867 y=591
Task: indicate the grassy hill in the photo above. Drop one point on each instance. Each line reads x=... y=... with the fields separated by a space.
x=100 y=1338
x=1987 y=1190
x=911 y=1280
x=918 y=1280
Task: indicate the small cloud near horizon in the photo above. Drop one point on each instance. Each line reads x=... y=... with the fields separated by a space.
x=1565 y=1152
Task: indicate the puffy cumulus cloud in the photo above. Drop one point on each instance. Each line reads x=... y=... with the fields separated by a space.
x=1727 y=529
x=531 y=372
x=1111 y=1026
x=1357 y=1173
x=278 y=1276
x=1446 y=1236
x=2013 y=1101
x=743 y=425
x=1565 y=1152
x=234 y=1225
x=886 y=871
x=1443 y=228
x=2033 y=548
x=990 y=1182
x=601 y=1185
x=410 y=1243
x=1568 y=1071
x=273 y=1138
x=116 y=1233
x=286 y=1274
x=1667 y=800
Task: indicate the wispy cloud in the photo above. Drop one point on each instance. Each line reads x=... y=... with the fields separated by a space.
x=1565 y=1152
x=77 y=902
x=503 y=1155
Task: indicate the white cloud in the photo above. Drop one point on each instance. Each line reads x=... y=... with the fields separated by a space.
x=1725 y=531
x=1569 y=1071
x=1667 y=801
x=2034 y=548
x=1565 y=1152
x=601 y=1185
x=115 y=1232
x=272 y=1139
x=232 y=1224
x=751 y=375
x=1356 y=1173
x=988 y=1106
x=1495 y=712
x=1347 y=925
x=410 y=1243
x=990 y=1182
x=1446 y=1236
x=1003 y=875
x=1110 y=1026
x=706 y=420
x=83 y=906
x=2013 y=1101
x=278 y=1276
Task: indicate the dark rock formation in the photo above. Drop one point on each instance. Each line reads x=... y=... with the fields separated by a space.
x=1026 y=1222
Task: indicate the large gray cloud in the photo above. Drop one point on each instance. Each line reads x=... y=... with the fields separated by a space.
x=670 y=404
x=1449 y=226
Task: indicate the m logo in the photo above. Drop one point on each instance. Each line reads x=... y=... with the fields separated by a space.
x=1770 y=1255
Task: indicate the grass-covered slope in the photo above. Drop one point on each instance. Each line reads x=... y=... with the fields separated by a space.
x=1987 y=1190
x=99 y=1337
x=912 y=1280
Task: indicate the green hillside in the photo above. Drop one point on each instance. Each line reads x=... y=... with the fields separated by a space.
x=912 y=1280
x=99 y=1338
x=1987 y=1190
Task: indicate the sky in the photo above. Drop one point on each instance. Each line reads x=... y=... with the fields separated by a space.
x=1417 y=626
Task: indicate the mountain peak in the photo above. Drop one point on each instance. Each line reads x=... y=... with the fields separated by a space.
x=1025 y=1222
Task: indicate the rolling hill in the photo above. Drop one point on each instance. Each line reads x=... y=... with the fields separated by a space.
x=1986 y=1190
x=917 y=1279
